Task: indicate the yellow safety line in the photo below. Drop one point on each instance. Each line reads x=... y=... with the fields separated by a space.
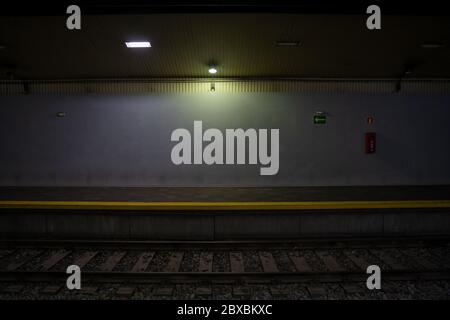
x=228 y=205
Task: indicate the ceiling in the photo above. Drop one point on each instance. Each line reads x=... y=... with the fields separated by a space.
x=240 y=44
x=50 y=7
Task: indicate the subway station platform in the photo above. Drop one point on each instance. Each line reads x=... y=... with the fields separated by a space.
x=223 y=213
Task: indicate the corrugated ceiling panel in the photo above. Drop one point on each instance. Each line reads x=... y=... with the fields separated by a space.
x=146 y=86
x=241 y=45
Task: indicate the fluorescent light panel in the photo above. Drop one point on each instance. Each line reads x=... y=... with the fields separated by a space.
x=287 y=43
x=138 y=44
x=431 y=45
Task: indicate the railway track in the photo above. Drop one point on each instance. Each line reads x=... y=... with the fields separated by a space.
x=313 y=263
x=232 y=259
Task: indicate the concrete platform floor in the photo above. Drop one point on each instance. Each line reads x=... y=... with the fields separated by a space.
x=213 y=224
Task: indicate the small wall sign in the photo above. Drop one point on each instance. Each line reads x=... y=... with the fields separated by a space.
x=320 y=118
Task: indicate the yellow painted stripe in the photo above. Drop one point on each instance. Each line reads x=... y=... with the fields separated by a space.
x=229 y=205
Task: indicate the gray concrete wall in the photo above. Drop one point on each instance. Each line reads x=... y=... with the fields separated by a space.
x=107 y=140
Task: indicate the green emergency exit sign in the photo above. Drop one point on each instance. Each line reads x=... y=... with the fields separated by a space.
x=320 y=119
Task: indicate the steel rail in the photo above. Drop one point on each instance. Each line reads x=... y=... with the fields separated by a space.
x=306 y=243
x=169 y=277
